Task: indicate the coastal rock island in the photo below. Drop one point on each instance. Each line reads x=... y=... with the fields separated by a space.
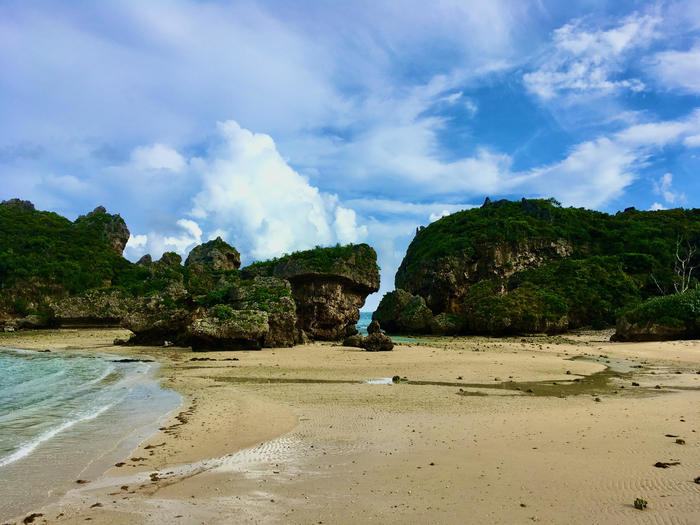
x=533 y=266
x=54 y=272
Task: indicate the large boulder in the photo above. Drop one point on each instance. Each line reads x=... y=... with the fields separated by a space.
x=216 y=255
x=223 y=328
x=378 y=342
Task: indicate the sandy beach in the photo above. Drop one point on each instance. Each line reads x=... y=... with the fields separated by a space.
x=540 y=429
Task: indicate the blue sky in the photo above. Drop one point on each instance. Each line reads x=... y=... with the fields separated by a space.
x=283 y=125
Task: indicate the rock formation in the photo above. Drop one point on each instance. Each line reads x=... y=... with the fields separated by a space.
x=216 y=255
x=113 y=227
x=531 y=266
x=208 y=303
x=375 y=341
x=329 y=286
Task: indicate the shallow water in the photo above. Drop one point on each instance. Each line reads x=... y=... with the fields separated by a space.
x=68 y=416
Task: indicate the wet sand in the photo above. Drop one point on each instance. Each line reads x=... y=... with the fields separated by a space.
x=551 y=430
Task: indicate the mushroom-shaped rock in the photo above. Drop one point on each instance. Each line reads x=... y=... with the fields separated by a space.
x=216 y=255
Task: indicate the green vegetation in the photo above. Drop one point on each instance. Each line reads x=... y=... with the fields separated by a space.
x=45 y=247
x=670 y=310
x=322 y=260
x=526 y=309
x=617 y=260
x=653 y=234
x=222 y=312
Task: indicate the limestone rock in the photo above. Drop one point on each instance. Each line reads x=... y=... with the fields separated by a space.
x=169 y=259
x=374 y=327
x=145 y=261
x=415 y=317
x=390 y=308
x=113 y=227
x=232 y=330
x=356 y=341
x=329 y=286
x=378 y=342
x=444 y=282
x=651 y=331
x=216 y=255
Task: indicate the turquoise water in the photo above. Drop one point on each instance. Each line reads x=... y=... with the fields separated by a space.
x=363 y=323
x=69 y=416
x=366 y=318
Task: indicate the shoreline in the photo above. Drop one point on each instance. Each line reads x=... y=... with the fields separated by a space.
x=296 y=435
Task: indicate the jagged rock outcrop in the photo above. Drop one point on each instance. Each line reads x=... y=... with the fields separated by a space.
x=54 y=272
x=329 y=286
x=216 y=255
x=169 y=259
x=145 y=260
x=94 y=308
x=17 y=203
x=113 y=227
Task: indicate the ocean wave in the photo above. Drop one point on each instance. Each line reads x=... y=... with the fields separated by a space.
x=26 y=448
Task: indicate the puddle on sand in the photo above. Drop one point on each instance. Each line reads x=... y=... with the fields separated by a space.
x=596 y=383
x=382 y=381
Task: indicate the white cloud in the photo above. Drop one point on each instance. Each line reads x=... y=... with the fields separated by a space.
x=435 y=216
x=664 y=187
x=692 y=142
x=248 y=190
x=157 y=157
x=188 y=235
x=656 y=207
x=679 y=69
x=582 y=60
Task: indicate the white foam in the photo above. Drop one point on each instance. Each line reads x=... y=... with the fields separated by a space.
x=27 y=448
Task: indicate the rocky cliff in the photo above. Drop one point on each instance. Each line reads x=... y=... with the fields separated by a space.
x=533 y=266
x=57 y=273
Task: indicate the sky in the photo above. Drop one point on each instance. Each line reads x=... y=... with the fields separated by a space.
x=282 y=125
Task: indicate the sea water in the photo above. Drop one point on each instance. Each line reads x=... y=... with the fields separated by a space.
x=366 y=318
x=69 y=416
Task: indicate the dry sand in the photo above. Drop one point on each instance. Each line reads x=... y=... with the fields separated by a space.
x=481 y=431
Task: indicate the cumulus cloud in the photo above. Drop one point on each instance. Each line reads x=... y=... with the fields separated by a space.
x=157 y=157
x=656 y=207
x=249 y=190
x=188 y=234
x=587 y=60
